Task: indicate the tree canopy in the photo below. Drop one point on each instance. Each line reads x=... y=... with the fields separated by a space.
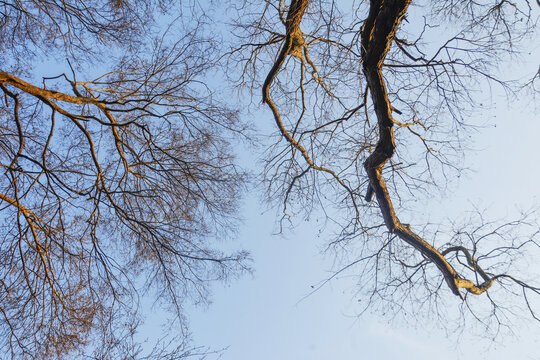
x=372 y=107
x=119 y=173
x=117 y=170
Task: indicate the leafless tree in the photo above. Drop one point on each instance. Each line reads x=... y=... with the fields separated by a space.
x=371 y=104
x=116 y=172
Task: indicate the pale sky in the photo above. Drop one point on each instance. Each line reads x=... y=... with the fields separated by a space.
x=266 y=317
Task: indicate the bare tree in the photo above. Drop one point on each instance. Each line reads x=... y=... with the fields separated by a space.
x=116 y=173
x=372 y=106
x=117 y=169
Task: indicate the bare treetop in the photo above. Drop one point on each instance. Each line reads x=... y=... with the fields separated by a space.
x=371 y=106
x=116 y=173
x=118 y=166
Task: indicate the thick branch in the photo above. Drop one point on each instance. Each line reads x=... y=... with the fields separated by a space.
x=44 y=93
x=293 y=45
x=377 y=36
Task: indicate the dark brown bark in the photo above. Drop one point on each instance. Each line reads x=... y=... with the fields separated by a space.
x=378 y=33
x=377 y=36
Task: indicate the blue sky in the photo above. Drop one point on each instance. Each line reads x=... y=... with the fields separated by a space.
x=272 y=314
x=267 y=316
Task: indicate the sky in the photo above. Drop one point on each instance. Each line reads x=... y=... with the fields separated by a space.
x=273 y=313
x=267 y=316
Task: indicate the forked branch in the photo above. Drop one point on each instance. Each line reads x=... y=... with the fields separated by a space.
x=295 y=45
x=378 y=34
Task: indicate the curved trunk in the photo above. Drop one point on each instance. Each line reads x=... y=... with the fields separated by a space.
x=377 y=36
